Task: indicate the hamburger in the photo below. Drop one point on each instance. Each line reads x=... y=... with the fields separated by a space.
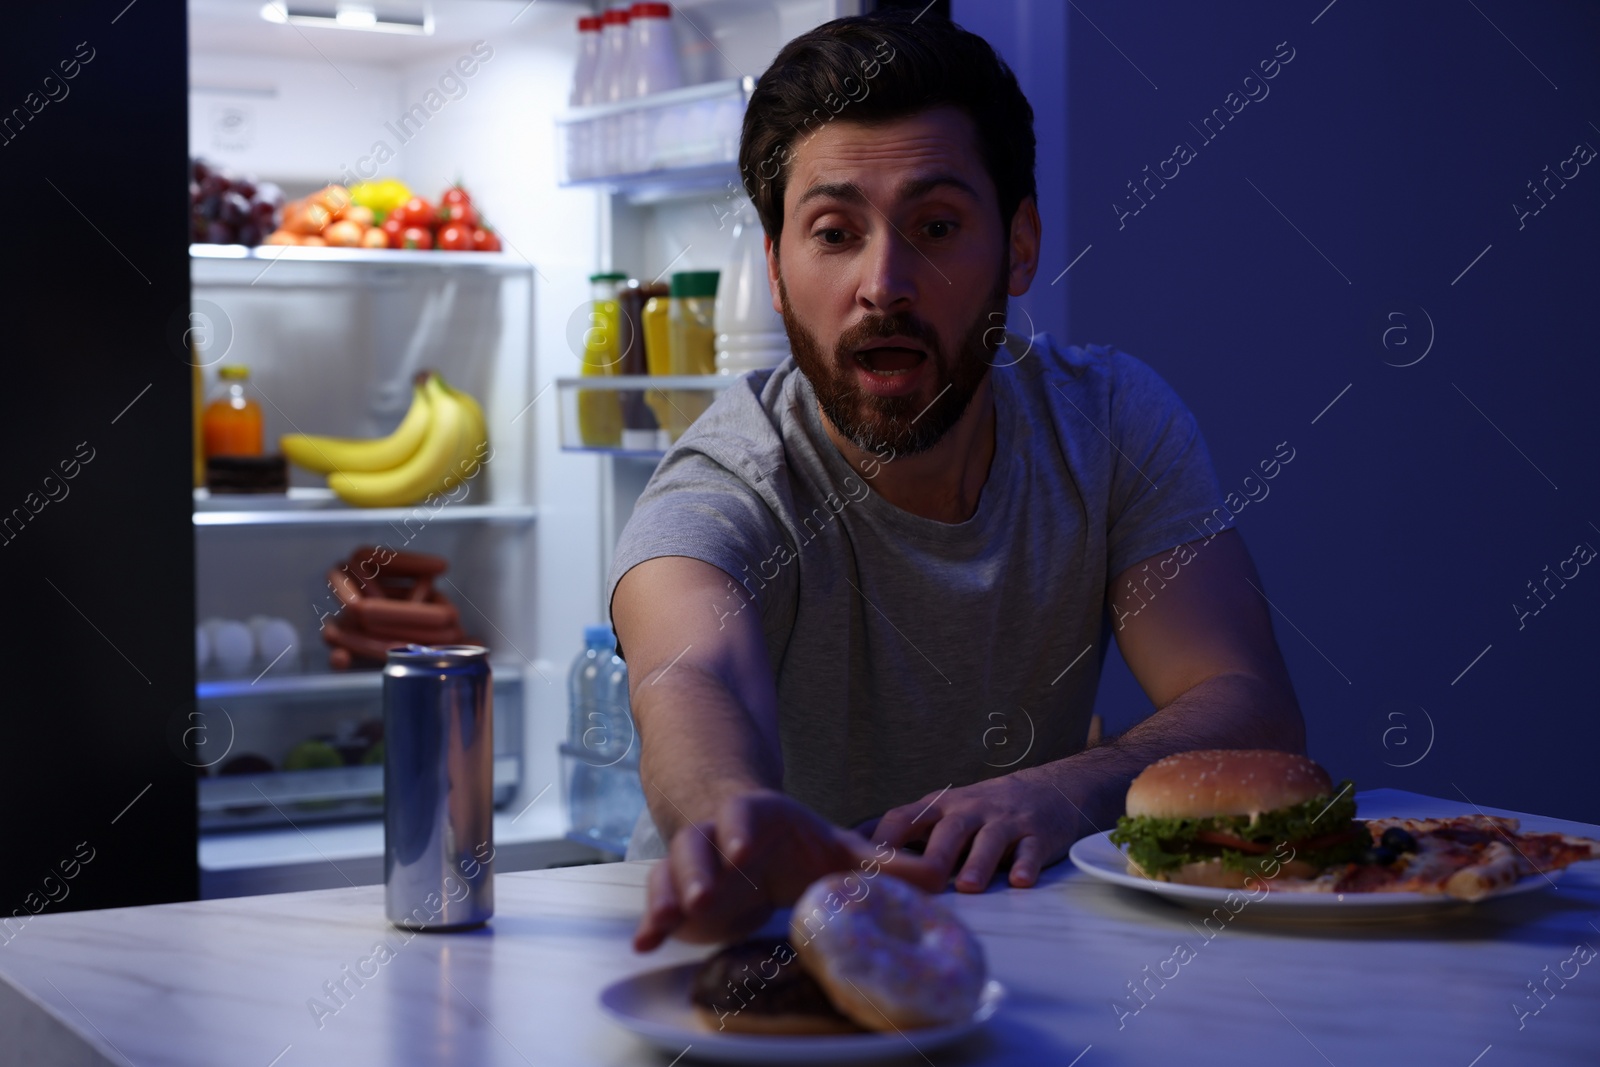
x=1219 y=816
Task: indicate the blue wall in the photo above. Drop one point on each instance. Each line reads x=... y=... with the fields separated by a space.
x=1422 y=503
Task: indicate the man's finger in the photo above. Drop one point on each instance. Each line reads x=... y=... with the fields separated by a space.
x=1029 y=859
x=915 y=869
x=695 y=865
x=738 y=829
x=948 y=838
x=661 y=913
x=891 y=828
x=982 y=859
x=898 y=825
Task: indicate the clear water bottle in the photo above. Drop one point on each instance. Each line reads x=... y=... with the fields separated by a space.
x=601 y=754
x=588 y=680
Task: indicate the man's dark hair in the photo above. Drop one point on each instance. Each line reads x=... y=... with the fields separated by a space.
x=874 y=69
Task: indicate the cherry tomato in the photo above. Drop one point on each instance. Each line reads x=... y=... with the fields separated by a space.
x=416 y=237
x=394 y=228
x=485 y=240
x=455 y=237
x=456 y=206
x=416 y=212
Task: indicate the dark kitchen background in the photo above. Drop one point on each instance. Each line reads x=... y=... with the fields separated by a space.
x=1353 y=263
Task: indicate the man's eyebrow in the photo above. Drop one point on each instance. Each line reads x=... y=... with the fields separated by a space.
x=911 y=189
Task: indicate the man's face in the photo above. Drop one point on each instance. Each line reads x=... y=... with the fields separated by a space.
x=892 y=275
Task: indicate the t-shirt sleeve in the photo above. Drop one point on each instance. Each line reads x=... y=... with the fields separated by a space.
x=1164 y=490
x=696 y=507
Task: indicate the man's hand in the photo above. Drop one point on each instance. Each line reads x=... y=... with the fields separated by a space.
x=1022 y=817
x=723 y=877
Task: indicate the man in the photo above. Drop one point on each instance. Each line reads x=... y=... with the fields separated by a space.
x=861 y=591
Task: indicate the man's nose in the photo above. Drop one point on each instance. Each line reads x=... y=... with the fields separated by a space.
x=890 y=273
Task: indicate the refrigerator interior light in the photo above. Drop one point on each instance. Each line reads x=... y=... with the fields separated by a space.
x=383 y=17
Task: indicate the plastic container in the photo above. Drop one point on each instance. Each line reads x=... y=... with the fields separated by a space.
x=580 y=137
x=584 y=93
x=750 y=334
x=691 y=343
x=600 y=410
x=232 y=424
x=615 y=79
x=653 y=54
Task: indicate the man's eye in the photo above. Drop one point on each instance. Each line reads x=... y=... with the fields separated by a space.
x=832 y=237
x=939 y=229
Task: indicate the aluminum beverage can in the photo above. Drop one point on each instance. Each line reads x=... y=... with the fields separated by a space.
x=438 y=787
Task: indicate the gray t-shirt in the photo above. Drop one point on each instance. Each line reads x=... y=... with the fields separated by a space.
x=912 y=654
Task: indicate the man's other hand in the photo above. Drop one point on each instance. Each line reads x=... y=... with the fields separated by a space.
x=722 y=877
x=1021 y=818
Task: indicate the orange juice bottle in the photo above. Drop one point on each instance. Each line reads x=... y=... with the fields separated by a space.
x=231 y=423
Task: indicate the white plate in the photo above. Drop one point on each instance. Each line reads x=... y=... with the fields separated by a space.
x=1097 y=857
x=655 y=1006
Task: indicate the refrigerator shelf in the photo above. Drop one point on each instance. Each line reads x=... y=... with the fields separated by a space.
x=263 y=257
x=238 y=801
x=323 y=683
x=319 y=507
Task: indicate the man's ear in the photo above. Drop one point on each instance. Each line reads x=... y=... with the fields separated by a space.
x=772 y=272
x=1024 y=247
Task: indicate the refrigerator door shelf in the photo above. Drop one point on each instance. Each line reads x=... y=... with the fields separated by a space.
x=684 y=137
x=635 y=395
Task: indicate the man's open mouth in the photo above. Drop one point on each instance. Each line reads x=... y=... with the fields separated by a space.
x=890 y=360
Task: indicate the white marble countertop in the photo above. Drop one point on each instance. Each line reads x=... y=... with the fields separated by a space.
x=232 y=981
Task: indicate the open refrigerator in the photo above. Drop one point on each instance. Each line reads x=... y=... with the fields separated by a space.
x=333 y=338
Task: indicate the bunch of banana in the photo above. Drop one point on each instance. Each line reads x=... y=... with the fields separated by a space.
x=441 y=442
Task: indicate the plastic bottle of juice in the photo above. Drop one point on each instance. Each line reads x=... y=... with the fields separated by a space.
x=231 y=424
x=691 y=342
x=600 y=410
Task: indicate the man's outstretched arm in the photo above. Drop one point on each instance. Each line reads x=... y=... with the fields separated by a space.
x=700 y=688
x=705 y=703
x=1201 y=646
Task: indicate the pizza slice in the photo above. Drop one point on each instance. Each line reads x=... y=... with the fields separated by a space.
x=1468 y=857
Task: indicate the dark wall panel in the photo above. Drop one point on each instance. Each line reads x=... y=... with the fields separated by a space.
x=97 y=547
x=1366 y=212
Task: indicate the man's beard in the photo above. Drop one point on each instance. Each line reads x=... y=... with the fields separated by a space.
x=897 y=425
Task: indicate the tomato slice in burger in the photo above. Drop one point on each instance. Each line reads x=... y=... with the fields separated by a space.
x=1310 y=844
x=1238 y=844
